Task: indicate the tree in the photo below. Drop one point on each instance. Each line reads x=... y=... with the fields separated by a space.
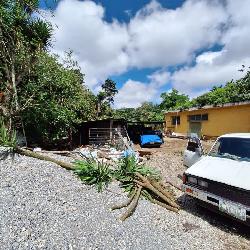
x=129 y=114
x=22 y=36
x=149 y=112
x=146 y=112
x=242 y=92
x=110 y=90
x=55 y=100
x=233 y=91
x=174 y=100
x=106 y=97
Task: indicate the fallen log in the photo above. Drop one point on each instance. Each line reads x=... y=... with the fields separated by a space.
x=149 y=186
x=142 y=182
x=160 y=187
x=173 y=209
x=126 y=203
x=32 y=154
x=133 y=205
x=153 y=191
x=56 y=152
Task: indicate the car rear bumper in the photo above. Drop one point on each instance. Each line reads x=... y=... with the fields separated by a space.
x=224 y=206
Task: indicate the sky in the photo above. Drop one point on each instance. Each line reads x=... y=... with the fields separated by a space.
x=151 y=46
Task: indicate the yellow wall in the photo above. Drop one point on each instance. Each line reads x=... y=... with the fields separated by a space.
x=221 y=120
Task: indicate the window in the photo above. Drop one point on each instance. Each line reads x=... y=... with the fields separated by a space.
x=204 y=117
x=175 y=120
x=232 y=148
x=199 y=117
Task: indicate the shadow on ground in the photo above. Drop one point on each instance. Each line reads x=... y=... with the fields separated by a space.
x=224 y=223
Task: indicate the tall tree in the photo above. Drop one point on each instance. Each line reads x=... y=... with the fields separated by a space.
x=173 y=100
x=106 y=97
x=55 y=100
x=22 y=36
x=110 y=90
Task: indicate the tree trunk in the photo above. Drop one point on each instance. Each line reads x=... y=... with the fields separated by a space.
x=28 y=153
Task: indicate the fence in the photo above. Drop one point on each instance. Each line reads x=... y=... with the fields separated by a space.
x=111 y=136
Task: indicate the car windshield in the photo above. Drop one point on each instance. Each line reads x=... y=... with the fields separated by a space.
x=232 y=148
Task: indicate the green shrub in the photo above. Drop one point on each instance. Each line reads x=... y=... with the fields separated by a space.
x=7 y=139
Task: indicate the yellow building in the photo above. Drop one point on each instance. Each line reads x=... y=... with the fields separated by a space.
x=210 y=121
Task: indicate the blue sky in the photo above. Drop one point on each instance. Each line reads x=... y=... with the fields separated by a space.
x=119 y=9
x=151 y=46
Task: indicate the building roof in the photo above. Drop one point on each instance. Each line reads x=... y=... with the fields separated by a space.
x=146 y=122
x=231 y=104
x=105 y=120
x=238 y=135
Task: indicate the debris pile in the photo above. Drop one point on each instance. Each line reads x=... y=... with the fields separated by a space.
x=108 y=154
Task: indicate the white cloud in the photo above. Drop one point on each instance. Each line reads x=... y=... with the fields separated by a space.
x=133 y=93
x=163 y=37
x=157 y=37
x=208 y=57
x=159 y=78
x=204 y=75
x=98 y=45
x=154 y=37
x=213 y=68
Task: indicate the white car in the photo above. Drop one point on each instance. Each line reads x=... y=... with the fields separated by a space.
x=221 y=179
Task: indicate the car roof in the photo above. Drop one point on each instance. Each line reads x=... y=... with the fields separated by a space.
x=236 y=135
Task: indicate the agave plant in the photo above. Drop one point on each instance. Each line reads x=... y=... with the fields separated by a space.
x=7 y=139
x=93 y=172
x=128 y=167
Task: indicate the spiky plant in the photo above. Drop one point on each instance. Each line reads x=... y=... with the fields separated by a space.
x=93 y=172
x=137 y=180
x=128 y=167
x=7 y=139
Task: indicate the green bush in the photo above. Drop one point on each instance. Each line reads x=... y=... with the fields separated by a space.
x=7 y=139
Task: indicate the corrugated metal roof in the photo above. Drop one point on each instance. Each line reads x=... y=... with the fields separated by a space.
x=231 y=104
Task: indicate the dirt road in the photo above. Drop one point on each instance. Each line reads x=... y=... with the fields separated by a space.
x=168 y=158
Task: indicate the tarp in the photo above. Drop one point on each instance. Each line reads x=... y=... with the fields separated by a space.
x=150 y=139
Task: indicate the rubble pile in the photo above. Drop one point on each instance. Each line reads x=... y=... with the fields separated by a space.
x=107 y=153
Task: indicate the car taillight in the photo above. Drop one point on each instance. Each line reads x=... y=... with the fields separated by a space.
x=184 y=178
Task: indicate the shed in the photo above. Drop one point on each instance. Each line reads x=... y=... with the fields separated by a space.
x=100 y=131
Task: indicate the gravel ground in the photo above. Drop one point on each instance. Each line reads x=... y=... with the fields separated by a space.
x=168 y=158
x=43 y=206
